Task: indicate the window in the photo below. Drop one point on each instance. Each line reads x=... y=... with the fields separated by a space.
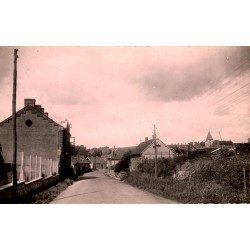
x=28 y=123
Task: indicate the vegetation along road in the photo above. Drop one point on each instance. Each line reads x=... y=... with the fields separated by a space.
x=97 y=188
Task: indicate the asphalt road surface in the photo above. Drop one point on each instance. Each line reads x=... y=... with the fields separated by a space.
x=97 y=188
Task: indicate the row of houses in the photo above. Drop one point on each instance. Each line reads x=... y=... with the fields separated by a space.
x=145 y=150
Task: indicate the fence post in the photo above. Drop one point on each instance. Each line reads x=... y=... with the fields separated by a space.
x=53 y=167
x=21 y=176
x=30 y=175
x=40 y=167
x=45 y=166
x=36 y=168
x=50 y=166
x=56 y=166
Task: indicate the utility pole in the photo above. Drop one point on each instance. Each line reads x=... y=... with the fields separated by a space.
x=114 y=155
x=14 y=171
x=220 y=143
x=249 y=176
x=155 y=147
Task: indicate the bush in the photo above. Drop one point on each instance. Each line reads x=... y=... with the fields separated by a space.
x=124 y=163
x=211 y=180
x=223 y=170
x=165 y=167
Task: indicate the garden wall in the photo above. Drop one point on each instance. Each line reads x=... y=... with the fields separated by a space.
x=27 y=188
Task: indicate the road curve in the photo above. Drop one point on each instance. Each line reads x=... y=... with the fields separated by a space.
x=97 y=188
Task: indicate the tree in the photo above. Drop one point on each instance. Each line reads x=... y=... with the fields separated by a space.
x=97 y=152
x=79 y=150
x=124 y=163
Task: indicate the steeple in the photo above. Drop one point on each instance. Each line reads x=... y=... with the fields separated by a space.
x=209 y=137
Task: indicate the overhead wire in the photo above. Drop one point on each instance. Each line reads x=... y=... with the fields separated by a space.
x=228 y=82
x=229 y=102
x=228 y=108
x=231 y=93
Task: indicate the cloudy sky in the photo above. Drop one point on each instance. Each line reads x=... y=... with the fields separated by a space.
x=114 y=95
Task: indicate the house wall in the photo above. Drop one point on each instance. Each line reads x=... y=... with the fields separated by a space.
x=41 y=138
x=111 y=162
x=162 y=151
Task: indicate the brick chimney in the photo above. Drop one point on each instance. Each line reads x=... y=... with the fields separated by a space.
x=31 y=102
x=46 y=113
x=146 y=138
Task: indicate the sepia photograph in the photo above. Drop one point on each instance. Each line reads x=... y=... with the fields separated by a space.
x=125 y=124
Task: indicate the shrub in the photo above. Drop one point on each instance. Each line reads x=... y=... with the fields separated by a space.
x=211 y=180
x=165 y=167
x=124 y=163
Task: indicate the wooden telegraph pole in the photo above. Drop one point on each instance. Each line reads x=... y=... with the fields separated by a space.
x=155 y=147
x=114 y=155
x=14 y=194
x=220 y=144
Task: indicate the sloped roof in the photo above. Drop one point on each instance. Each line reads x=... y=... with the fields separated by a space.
x=33 y=111
x=119 y=152
x=209 y=137
x=98 y=160
x=79 y=159
x=141 y=147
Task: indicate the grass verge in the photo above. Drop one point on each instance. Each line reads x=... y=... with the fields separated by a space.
x=185 y=191
x=47 y=195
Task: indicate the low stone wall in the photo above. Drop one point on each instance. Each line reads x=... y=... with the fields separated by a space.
x=27 y=188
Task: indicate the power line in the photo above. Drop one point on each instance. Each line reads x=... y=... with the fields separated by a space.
x=233 y=100
x=228 y=108
x=228 y=80
x=230 y=75
x=231 y=93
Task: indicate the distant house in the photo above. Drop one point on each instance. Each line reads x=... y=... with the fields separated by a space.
x=37 y=136
x=116 y=155
x=97 y=162
x=146 y=150
x=79 y=165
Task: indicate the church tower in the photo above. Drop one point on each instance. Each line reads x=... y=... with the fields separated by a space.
x=209 y=140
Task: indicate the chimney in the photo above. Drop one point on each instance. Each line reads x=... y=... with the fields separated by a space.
x=46 y=113
x=42 y=110
x=31 y=102
x=146 y=138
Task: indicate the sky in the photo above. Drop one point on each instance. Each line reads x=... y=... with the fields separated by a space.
x=114 y=95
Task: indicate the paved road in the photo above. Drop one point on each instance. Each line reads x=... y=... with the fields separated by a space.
x=97 y=188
